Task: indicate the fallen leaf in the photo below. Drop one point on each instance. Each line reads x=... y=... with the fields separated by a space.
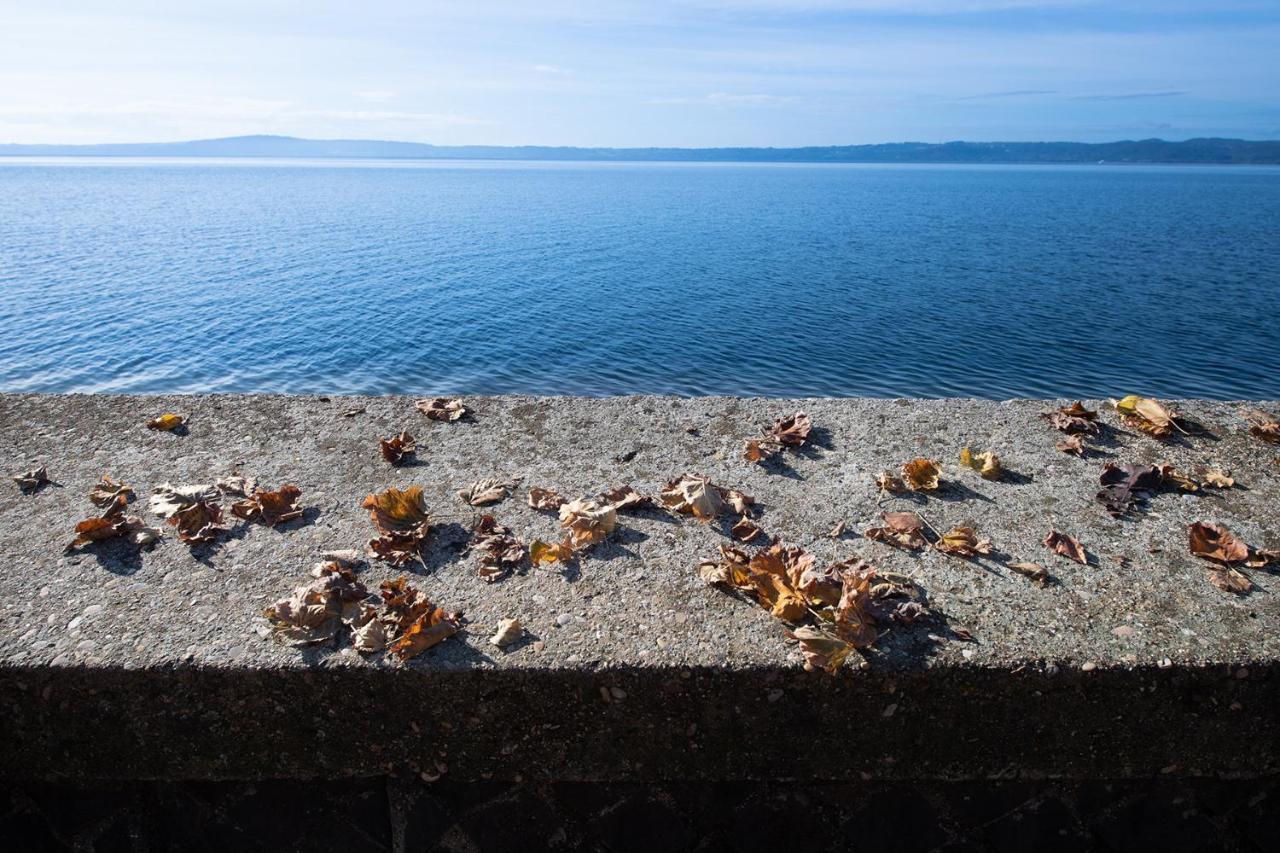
x=1066 y=546
x=987 y=464
x=352 y=412
x=442 y=409
x=837 y=530
x=1214 y=478
x=921 y=475
x=545 y=499
x=1034 y=571
x=402 y=520
x=485 y=492
x=237 y=485
x=888 y=481
x=107 y=490
x=509 y=630
x=167 y=422
x=694 y=495
x=1216 y=542
x=900 y=529
x=414 y=622
x=820 y=650
x=1147 y=415
x=500 y=552
x=1263 y=426
x=1171 y=478
x=962 y=542
x=790 y=431
x=541 y=553
x=1071 y=444
x=29 y=481
x=431 y=628
x=271 y=508
x=396 y=448
x=854 y=621
x=1230 y=580
x=624 y=498
x=1074 y=419
x=113 y=524
x=167 y=499
x=746 y=529
x=730 y=570
x=313 y=612
x=760 y=449
x=192 y=510
x=1263 y=559
x=773 y=575
x=1124 y=485
x=587 y=521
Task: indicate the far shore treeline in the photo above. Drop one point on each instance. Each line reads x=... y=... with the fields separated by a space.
x=1190 y=151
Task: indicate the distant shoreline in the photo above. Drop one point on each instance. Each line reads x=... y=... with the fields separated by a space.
x=1128 y=152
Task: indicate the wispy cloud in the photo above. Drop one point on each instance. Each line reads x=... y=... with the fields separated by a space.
x=725 y=99
x=1012 y=93
x=1127 y=96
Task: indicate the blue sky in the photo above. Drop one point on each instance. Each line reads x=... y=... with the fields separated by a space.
x=621 y=73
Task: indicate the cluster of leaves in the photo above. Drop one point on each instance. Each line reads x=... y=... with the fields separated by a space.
x=500 y=552
x=831 y=611
x=1148 y=415
x=113 y=498
x=792 y=431
x=402 y=522
x=1124 y=486
x=918 y=475
x=401 y=620
x=442 y=409
x=1077 y=422
x=1215 y=542
x=906 y=530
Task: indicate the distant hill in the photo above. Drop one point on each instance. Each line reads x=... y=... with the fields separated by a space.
x=1205 y=151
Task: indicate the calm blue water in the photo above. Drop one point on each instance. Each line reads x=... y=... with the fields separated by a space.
x=615 y=278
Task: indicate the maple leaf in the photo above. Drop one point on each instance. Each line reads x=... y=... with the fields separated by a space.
x=271 y=508
x=1263 y=426
x=442 y=409
x=987 y=464
x=541 y=553
x=773 y=576
x=1073 y=419
x=624 y=498
x=820 y=649
x=587 y=521
x=167 y=422
x=900 y=529
x=1071 y=444
x=854 y=621
x=790 y=431
x=113 y=524
x=1147 y=415
x=1066 y=546
x=962 y=542
x=485 y=492
x=921 y=475
x=694 y=495
x=402 y=520
x=1216 y=542
x=500 y=552
x=396 y=448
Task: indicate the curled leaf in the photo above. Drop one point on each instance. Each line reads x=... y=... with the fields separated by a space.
x=237 y=485
x=624 y=498
x=442 y=409
x=1124 y=485
x=414 y=622
x=545 y=499
x=921 y=475
x=587 y=521
x=168 y=499
x=694 y=495
x=1148 y=415
x=1263 y=426
x=485 y=492
x=312 y=613
x=271 y=508
x=962 y=542
x=792 y=431
x=820 y=649
x=1216 y=542
x=1215 y=479
x=1230 y=580
x=1074 y=419
x=987 y=464
x=499 y=551
x=854 y=621
x=746 y=529
x=888 y=481
x=29 y=481
x=193 y=510
x=1073 y=444
x=402 y=522
x=509 y=630
x=167 y=422
x=1066 y=546
x=396 y=448
x=543 y=553
x=1034 y=571
x=113 y=524
x=900 y=529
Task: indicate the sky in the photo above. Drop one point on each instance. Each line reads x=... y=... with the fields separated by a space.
x=622 y=73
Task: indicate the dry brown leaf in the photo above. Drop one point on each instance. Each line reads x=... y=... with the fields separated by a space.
x=1263 y=426
x=313 y=612
x=1066 y=546
x=746 y=529
x=396 y=448
x=1263 y=558
x=587 y=521
x=500 y=552
x=442 y=409
x=790 y=431
x=888 y=481
x=29 y=481
x=167 y=422
x=774 y=575
x=545 y=499
x=1214 y=478
x=694 y=495
x=237 y=485
x=1071 y=444
x=730 y=570
x=271 y=508
x=1124 y=485
x=1230 y=580
x=413 y=620
x=820 y=649
x=1074 y=419
x=1034 y=571
x=962 y=542
x=760 y=449
x=987 y=464
x=541 y=553
x=192 y=510
x=1216 y=542
x=168 y=499
x=854 y=621
x=921 y=475
x=900 y=529
x=112 y=524
x=104 y=494
x=485 y=492
x=624 y=498
x=402 y=520
x=837 y=530
x=509 y=631
x=1147 y=415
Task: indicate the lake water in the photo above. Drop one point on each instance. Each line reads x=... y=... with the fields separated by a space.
x=564 y=278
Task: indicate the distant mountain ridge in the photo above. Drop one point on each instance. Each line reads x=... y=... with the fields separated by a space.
x=1203 y=151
